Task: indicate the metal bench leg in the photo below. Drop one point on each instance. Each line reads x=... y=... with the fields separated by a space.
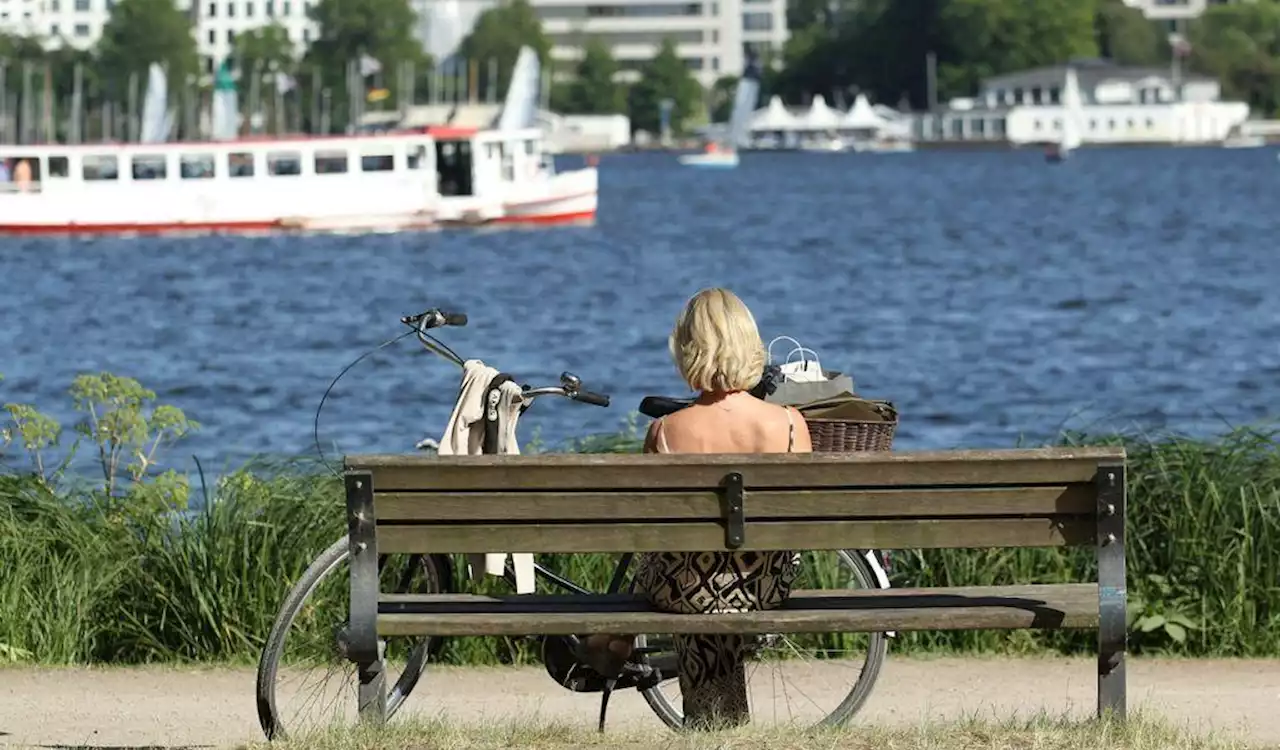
x=364 y=648
x=1112 y=595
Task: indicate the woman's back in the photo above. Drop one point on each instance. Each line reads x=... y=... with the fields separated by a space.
x=733 y=423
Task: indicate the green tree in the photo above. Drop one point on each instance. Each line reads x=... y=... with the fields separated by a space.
x=665 y=76
x=498 y=35
x=264 y=48
x=723 y=92
x=142 y=32
x=351 y=29
x=1128 y=37
x=1240 y=45
x=991 y=37
x=593 y=90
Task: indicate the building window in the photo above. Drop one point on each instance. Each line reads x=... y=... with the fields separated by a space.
x=231 y=9
x=306 y=35
x=997 y=126
x=757 y=21
x=1036 y=95
x=957 y=127
x=1055 y=95
x=213 y=10
x=55 y=6
x=82 y=29
x=715 y=63
x=53 y=29
x=82 y=6
x=271 y=9
x=248 y=10
x=978 y=126
x=231 y=36
x=213 y=36
x=285 y=8
x=693 y=63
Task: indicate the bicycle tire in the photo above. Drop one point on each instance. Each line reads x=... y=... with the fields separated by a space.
x=877 y=648
x=320 y=568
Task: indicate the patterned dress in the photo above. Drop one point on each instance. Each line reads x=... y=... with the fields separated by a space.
x=712 y=670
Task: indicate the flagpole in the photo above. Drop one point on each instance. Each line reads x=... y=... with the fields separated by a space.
x=77 y=104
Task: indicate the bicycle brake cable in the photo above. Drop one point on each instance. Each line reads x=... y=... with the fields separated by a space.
x=356 y=361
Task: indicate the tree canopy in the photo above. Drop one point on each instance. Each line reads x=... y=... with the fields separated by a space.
x=498 y=35
x=665 y=76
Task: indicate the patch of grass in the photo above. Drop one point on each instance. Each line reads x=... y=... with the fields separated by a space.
x=1041 y=733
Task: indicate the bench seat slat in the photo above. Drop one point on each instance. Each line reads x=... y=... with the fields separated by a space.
x=708 y=505
x=860 y=610
x=760 y=535
x=573 y=472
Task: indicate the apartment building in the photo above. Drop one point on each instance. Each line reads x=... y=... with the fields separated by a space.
x=711 y=36
x=218 y=22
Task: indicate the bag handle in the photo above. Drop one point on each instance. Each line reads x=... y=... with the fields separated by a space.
x=776 y=340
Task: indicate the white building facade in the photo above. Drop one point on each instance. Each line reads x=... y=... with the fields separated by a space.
x=711 y=36
x=1120 y=105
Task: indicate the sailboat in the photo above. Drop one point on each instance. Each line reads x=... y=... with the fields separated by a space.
x=725 y=155
x=1073 y=111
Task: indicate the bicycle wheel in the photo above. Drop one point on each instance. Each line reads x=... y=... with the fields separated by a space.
x=798 y=674
x=310 y=632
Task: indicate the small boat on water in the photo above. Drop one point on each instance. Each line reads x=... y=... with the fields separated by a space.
x=724 y=155
x=714 y=157
x=434 y=177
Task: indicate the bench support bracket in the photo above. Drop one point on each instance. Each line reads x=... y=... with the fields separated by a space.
x=363 y=647
x=1112 y=594
x=735 y=525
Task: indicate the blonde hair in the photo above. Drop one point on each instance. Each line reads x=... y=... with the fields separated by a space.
x=715 y=343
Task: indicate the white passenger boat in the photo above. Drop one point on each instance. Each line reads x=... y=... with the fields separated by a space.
x=436 y=177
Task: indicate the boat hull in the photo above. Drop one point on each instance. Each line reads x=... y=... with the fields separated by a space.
x=709 y=161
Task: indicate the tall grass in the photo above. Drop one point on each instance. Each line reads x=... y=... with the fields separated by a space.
x=83 y=582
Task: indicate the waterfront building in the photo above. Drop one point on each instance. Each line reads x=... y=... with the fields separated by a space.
x=1120 y=105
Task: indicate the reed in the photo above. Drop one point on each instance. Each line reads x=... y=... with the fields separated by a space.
x=97 y=579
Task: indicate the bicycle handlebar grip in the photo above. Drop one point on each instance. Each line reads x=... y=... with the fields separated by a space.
x=595 y=399
x=454 y=319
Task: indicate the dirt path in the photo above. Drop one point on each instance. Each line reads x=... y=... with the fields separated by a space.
x=215 y=707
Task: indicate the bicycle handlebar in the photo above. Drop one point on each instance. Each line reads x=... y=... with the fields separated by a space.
x=570 y=385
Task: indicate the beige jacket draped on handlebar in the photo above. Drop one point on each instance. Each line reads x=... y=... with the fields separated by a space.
x=464 y=435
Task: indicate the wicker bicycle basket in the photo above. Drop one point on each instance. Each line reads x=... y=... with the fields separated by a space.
x=853 y=435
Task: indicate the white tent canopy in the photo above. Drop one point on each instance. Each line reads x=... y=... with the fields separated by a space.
x=774 y=116
x=862 y=117
x=820 y=116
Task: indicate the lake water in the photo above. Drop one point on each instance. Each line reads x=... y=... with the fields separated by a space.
x=991 y=297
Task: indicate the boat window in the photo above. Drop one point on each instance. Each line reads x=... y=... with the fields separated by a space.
x=99 y=167
x=508 y=163
x=149 y=167
x=1093 y=124
x=284 y=163
x=1150 y=124
x=240 y=164
x=196 y=166
x=418 y=156
x=59 y=166
x=979 y=126
x=331 y=162
x=1057 y=123
x=377 y=163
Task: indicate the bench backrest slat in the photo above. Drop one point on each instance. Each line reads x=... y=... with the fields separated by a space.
x=946 y=502
x=695 y=537
x=763 y=471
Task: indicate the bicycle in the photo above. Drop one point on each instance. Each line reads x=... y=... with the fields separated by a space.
x=652 y=668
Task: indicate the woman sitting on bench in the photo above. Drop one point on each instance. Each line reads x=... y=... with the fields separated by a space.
x=719 y=353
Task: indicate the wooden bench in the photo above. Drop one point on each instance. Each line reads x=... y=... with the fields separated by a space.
x=636 y=503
